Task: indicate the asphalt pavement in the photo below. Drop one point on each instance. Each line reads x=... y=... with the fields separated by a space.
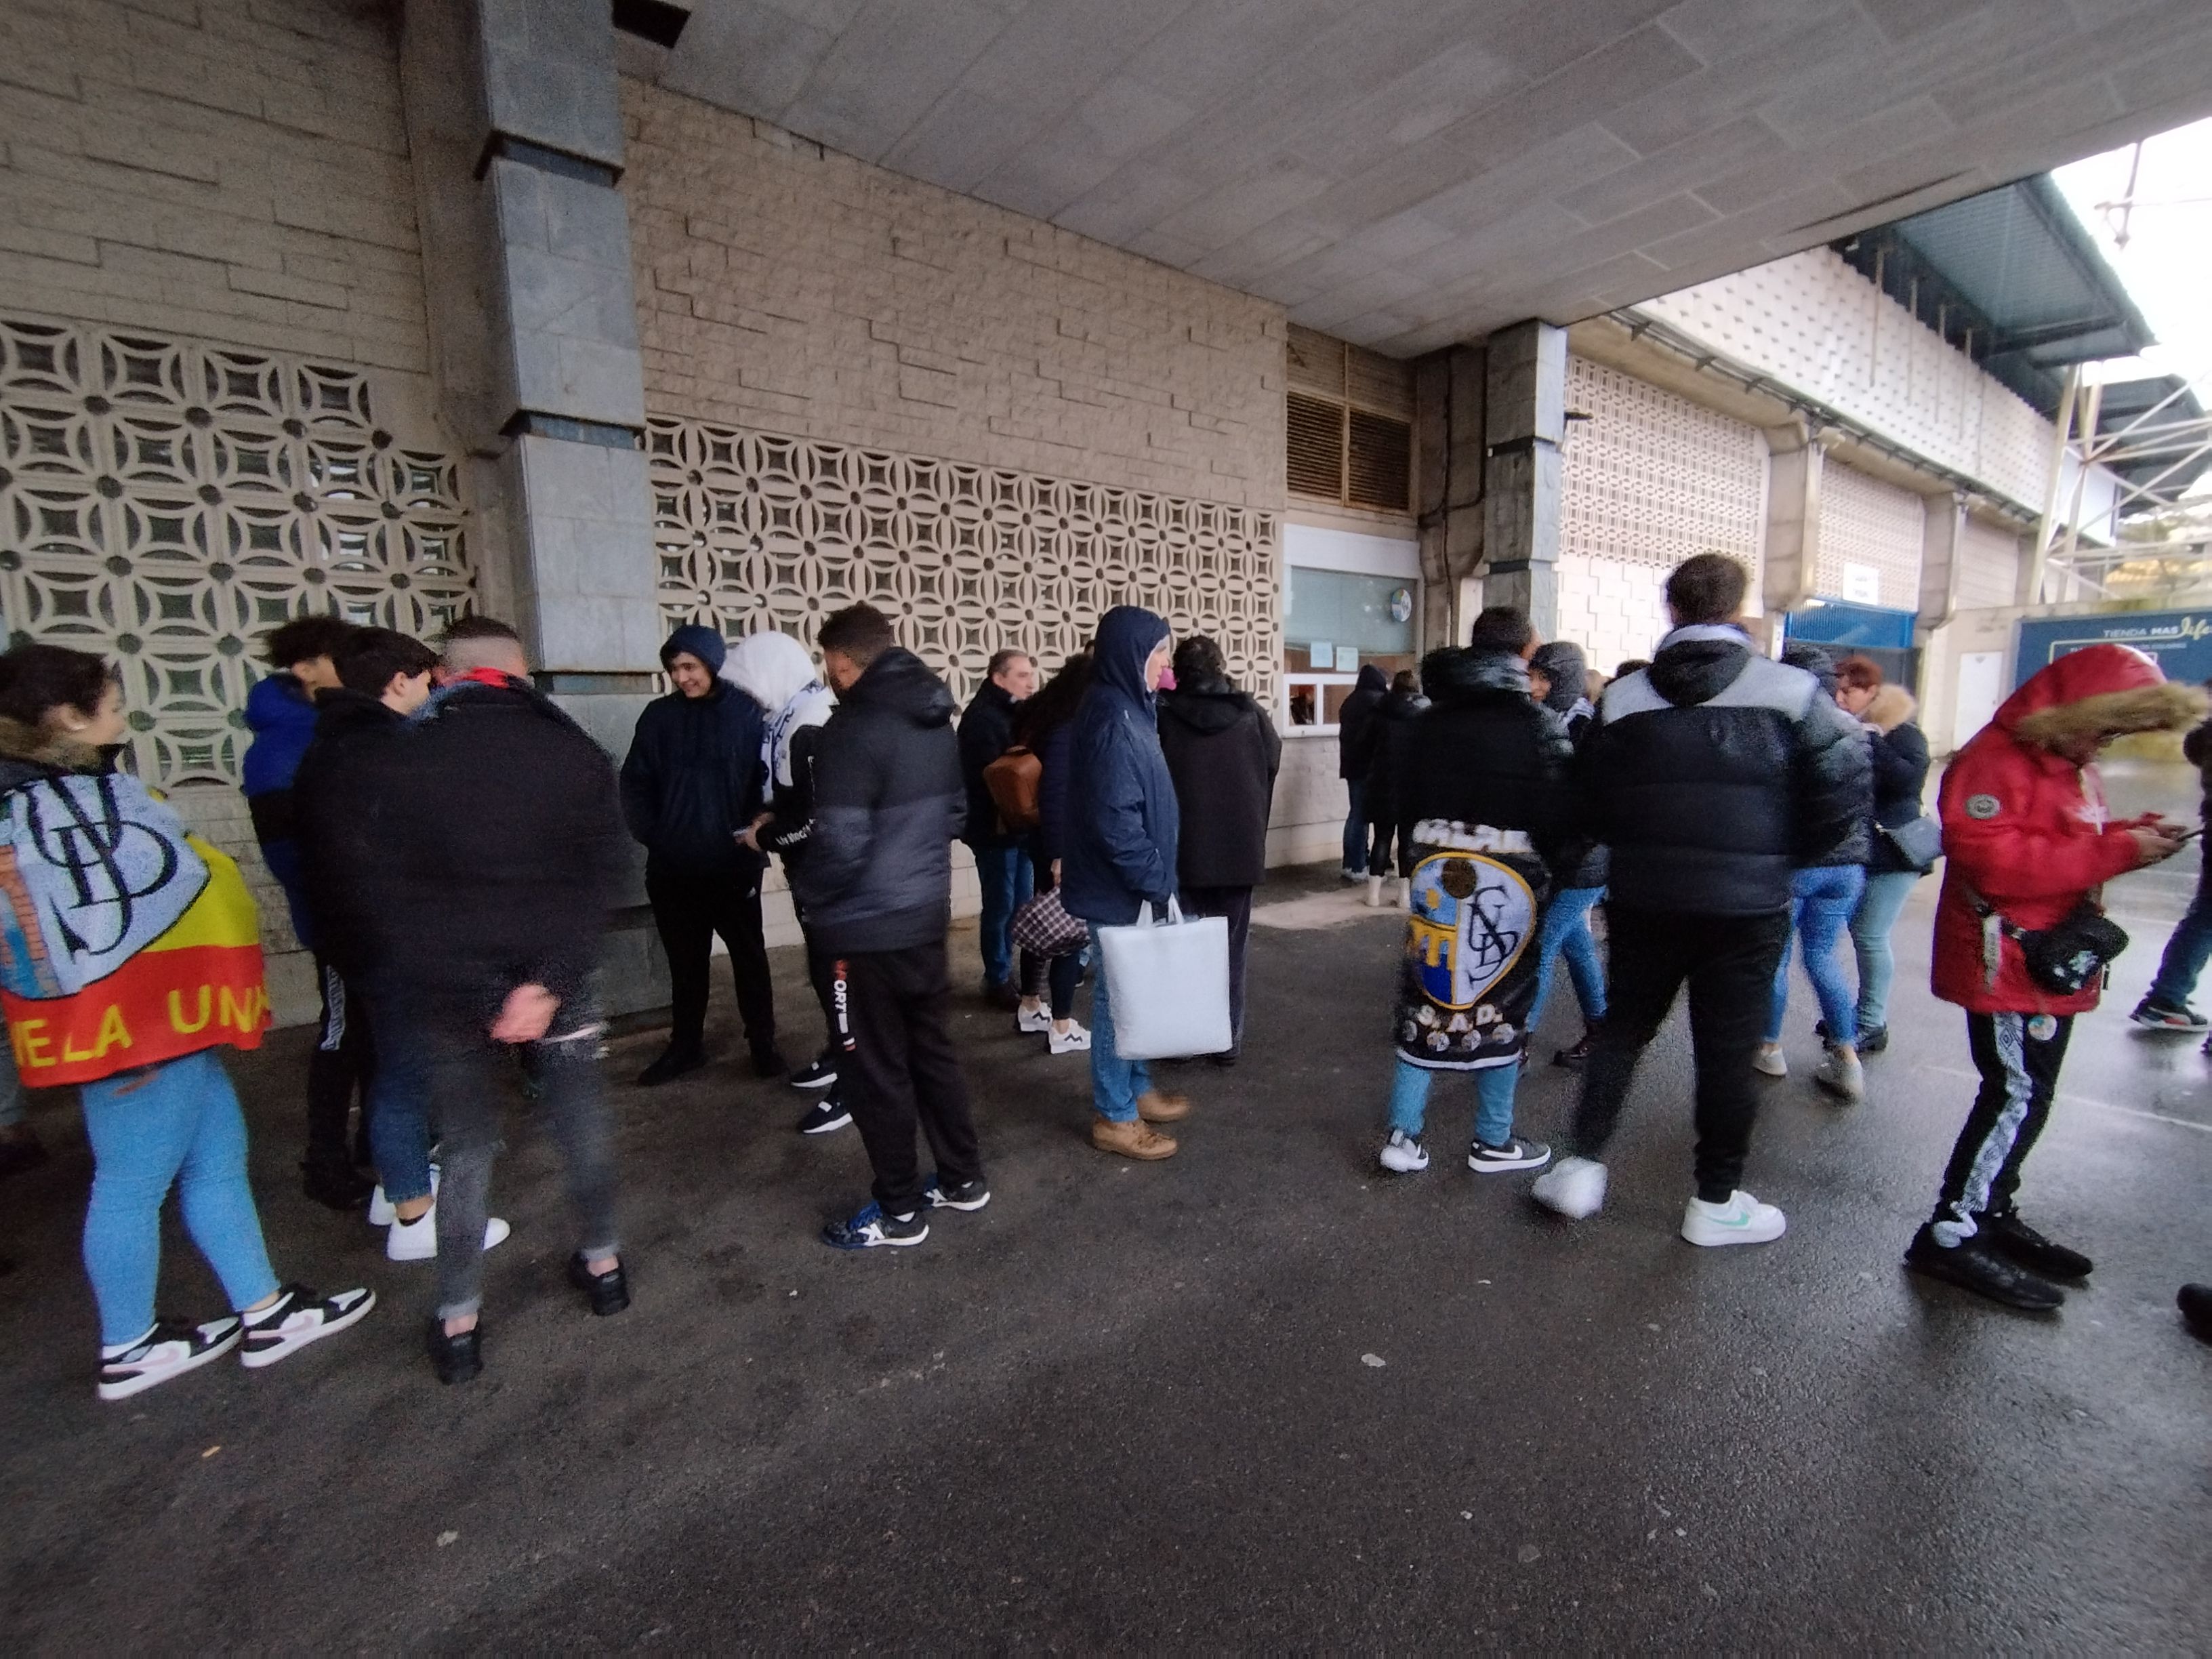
x=1259 y=1396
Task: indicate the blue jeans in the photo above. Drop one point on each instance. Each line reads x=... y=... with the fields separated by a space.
x=1871 y=926
x=1355 y=828
x=2186 y=953
x=1493 y=1100
x=1007 y=879
x=1115 y=1082
x=175 y=1122
x=1821 y=902
x=1565 y=932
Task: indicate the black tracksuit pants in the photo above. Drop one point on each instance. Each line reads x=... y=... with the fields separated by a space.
x=899 y=1067
x=339 y=1063
x=690 y=910
x=1729 y=963
x=2020 y=1074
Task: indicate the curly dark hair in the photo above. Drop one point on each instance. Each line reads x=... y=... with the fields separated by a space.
x=36 y=679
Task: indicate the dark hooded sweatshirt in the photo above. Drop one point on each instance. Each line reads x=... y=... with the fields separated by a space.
x=1122 y=825
x=1355 y=723
x=1715 y=773
x=1223 y=752
x=987 y=731
x=693 y=780
x=888 y=805
x=338 y=809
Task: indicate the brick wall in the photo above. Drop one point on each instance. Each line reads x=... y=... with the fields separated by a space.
x=1867 y=522
x=234 y=170
x=787 y=289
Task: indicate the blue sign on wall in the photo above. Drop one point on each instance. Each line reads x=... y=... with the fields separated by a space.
x=2181 y=641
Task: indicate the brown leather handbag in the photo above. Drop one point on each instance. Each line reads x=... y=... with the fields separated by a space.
x=1012 y=780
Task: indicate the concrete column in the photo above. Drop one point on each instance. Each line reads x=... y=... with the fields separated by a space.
x=515 y=123
x=1449 y=466
x=1524 y=423
x=1795 y=459
x=1942 y=524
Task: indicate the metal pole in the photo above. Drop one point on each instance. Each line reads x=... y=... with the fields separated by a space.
x=2031 y=590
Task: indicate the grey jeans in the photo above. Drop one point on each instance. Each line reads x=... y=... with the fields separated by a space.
x=465 y=1092
x=11 y=1094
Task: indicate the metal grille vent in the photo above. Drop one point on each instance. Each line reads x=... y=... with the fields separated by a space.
x=1378 y=462
x=1350 y=424
x=1316 y=447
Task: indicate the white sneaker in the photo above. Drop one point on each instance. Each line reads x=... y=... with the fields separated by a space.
x=1842 y=1075
x=1075 y=1039
x=170 y=1349
x=1742 y=1220
x=1573 y=1187
x=1033 y=1021
x=380 y=1212
x=1403 y=1155
x=418 y=1240
x=1769 y=1060
x=1375 y=892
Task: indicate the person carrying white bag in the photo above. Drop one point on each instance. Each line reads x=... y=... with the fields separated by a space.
x=1118 y=856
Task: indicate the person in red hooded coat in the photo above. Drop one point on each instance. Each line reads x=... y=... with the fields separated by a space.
x=2026 y=839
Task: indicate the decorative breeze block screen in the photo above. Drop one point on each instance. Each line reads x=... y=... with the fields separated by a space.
x=1651 y=478
x=757 y=530
x=1872 y=524
x=165 y=503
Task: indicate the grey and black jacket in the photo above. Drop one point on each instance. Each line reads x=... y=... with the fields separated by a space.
x=1715 y=773
x=888 y=804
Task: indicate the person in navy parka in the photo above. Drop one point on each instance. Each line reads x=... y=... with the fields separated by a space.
x=1120 y=852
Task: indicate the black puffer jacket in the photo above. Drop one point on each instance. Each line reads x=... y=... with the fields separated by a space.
x=1223 y=753
x=1394 y=730
x=337 y=797
x=1715 y=773
x=987 y=731
x=1901 y=775
x=1486 y=753
x=888 y=805
x=692 y=781
x=499 y=824
x=1355 y=723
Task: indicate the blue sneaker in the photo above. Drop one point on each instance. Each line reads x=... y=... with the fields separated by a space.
x=964 y=1196
x=871 y=1227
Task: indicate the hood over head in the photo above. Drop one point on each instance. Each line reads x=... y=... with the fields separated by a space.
x=277 y=701
x=1457 y=672
x=1891 y=706
x=1372 y=678
x=901 y=683
x=1696 y=663
x=1208 y=709
x=1816 y=661
x=2100 y=691
x=1569 y=670
x=1128 y=636
x=701 y=641
x=769 y=667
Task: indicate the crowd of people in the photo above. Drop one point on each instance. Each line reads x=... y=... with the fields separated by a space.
x=449 y=843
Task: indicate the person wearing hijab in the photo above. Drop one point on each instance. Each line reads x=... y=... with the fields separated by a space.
x=1580 y=884
x=774 y=670
x=1121 y=850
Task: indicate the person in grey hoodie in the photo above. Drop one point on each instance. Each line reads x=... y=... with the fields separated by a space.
x=876 y=885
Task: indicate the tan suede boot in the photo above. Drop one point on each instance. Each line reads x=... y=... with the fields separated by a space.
x=1154 y=1107
x=1137 y=1139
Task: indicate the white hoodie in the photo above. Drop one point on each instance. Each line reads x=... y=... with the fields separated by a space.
x=774 y=670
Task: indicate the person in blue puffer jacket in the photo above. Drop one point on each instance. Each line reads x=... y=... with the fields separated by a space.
x=280 y=712
x=1121 y=852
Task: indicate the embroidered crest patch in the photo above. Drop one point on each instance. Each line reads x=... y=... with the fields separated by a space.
x=1982 y=806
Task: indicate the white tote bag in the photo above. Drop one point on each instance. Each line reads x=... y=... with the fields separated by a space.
x=1168 y=982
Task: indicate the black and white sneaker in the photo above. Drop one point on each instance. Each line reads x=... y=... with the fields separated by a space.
x=1515 y=1154
x=963 y=1195
x=2166 y=1016
x=823 y=1116
x=870 y=1228
x=170 y=1349
x=300 y=1316
x=819 y=1072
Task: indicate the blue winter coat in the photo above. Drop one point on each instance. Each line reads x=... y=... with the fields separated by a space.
x=1120 y=844
x=281 y=717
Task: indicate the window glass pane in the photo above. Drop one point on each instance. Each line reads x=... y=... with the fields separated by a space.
x=1336 y=607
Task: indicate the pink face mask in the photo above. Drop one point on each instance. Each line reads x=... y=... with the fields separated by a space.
x=1167 y=679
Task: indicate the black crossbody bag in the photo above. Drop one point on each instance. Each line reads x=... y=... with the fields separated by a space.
x=2065 y=958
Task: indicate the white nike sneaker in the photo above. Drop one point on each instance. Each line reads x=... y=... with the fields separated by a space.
x=1742 y=1220
x=1573 y=1187
x=380 y=1212
x=418 y=1240
x=1403 y=1155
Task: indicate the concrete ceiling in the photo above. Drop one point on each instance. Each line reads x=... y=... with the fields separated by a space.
x=1411 y=173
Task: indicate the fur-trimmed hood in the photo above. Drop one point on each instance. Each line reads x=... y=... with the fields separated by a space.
x=47 y=751
x=1891 y=706
x=2100 y=692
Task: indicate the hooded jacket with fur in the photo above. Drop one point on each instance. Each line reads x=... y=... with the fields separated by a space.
x=124 y=941
x=1716 y=772
x=2026 y=829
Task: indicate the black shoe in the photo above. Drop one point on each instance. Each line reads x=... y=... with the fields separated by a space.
x=2196 y=1305
x=1572 y=1058
x=1002 y=993
x=819 y=1072
x=19 y=1152
x=338 y=1187
x=1974 y=1265
x=1874 y=1042
x=2021 y=1245
x=456 y=1358
x=768 y=1060
x=610 y=1291
x=1226 y=1058
x=674 y=1061
x=825 y=1115
x=962 y=1195
x=870 y=1229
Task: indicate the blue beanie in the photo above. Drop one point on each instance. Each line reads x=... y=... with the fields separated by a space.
x=701 y=641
